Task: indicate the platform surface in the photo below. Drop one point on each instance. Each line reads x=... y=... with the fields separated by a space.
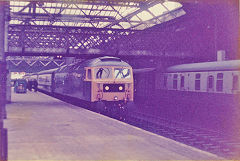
x=44 y=128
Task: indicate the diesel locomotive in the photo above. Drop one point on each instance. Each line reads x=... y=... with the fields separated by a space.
x=105 y=82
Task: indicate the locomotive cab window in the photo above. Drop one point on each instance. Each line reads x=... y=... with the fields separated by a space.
x=103 y=73
x=121 y=73
x=89 y=74
x=235 y=83
x=219 y=85
x=197 y=81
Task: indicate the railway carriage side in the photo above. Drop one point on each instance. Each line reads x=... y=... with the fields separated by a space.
x=69 y=80
x=46 y=79
x=212 y=79
x=44 y=82
x=205 y=94
x=225 y=82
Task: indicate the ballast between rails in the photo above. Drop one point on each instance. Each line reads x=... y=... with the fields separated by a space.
x=203 y=139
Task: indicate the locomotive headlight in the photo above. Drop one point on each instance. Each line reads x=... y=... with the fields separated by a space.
x=115 y=98
x=120 y=88
x=106 y=88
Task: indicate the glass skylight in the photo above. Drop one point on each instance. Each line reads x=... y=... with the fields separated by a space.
x=157 y=10
x=172 y=5
x=120 y=15
x=144 y=15
x=125 y=25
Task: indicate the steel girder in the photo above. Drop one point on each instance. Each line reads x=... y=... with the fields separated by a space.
x=60 y=40
x=32 y=64
x=96 y=14
x=29 y=39
x=52 y=40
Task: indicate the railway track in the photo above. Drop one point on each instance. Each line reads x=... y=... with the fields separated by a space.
x=203 y=139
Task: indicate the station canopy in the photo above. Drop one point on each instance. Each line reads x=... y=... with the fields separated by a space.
x=114 y=14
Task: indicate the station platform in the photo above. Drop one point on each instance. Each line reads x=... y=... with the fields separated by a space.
x=44 y=128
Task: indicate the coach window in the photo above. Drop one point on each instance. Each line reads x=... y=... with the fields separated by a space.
x=175 y=77
x=219 y=86
x=235 y=83
x=165 y=80
x=89 y=74
x=197 y=81
x=182 y=81
x=210 y=82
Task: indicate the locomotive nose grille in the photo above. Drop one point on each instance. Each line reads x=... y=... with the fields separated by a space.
x=113 y=87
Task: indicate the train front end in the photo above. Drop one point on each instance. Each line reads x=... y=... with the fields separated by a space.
x=112 y=88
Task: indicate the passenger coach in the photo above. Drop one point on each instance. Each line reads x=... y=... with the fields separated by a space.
x=210 y=77
x=203 y=94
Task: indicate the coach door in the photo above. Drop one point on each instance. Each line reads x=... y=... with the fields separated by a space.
x=235 y=83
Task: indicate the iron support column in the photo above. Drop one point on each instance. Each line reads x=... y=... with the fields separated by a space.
x=3 y=72
x=238 y=41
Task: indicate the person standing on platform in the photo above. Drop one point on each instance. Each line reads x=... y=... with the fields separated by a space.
x=29 y=85
x=35 y=85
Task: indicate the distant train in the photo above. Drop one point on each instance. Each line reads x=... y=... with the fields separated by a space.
x=20 y=86
x=105 y=82
x=211 y=77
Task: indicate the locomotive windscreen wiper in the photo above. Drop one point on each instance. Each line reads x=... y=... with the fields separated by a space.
x=121 y=73
x=99 y=73
x=103 y=73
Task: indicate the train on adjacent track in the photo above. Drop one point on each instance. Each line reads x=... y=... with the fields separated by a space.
x=211 y=77
x=205 y=94
x=106 y=83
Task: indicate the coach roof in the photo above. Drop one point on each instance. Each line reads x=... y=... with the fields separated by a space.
x=206 y=66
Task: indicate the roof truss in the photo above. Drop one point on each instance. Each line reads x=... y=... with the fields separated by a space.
x=121 y=14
